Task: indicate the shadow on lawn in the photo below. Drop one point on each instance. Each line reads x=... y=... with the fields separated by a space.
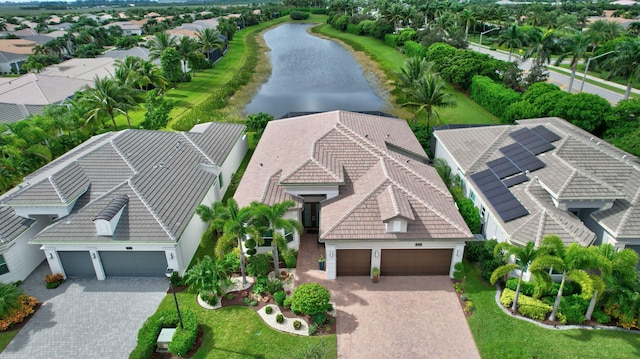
x=588 y=335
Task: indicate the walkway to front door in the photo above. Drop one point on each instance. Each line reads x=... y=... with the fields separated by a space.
x=399 y=317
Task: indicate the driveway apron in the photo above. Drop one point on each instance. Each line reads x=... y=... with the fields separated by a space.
x=399 y=317
x=86 y=318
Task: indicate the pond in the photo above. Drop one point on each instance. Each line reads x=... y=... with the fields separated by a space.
x=311 y=74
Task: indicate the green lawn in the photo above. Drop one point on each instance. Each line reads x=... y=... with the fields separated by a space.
x=239 y=332
x=6 y=337
x=390 y=61
x=498 y=335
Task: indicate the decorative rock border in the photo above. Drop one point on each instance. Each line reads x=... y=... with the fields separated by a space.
x=289 y=283
x=287 y=325
x=236 y=285
x=556 y=327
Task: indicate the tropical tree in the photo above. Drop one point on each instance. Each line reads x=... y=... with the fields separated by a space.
x=430 y=92
x=272 y=219
x=540 y=46
x=512 y=37
x=467 y=17
x=159 y=43
x=107 y=98
x=236 y=223
x=572 y=261
x=413 y=70
x=187 y=49
x=207 y=276
x=601 y=31
x=9 y=299
x=576 y=49
x=523 y=257
x=208 y=39
x=625 y=63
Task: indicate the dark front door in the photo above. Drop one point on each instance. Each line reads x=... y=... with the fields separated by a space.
x=311 y=215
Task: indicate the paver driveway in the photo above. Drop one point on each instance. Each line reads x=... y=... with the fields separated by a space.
x=399 y=317
x=86 y=318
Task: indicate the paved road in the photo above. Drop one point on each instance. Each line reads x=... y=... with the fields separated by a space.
x=86 y=318
x=560 y=79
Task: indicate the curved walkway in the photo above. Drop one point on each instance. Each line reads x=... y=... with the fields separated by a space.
x=556 y=327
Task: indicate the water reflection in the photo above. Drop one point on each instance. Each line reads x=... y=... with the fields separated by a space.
x=311 y=74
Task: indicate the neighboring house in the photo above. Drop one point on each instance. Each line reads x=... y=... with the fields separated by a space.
x=362 y=183
x=13 y=53
x=128 y=28
x=82 y=69
x=60 y=27
x=546 y=177
x=121 y=204
x=141 y=52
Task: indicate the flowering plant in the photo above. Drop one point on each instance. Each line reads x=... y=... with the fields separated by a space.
x=54 y=280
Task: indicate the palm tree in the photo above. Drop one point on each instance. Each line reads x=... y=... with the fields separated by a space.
x=430 y=92
x=540 y=44
x=618 y=266
x=272 y=218
x=467 y=17
x=523 y=257
x=575 y=48
x=413 y=70
x=187 y=48
x=625 y=62
x=512 y=37
x=208 y=40
x=601 y=31
x=159 y=43
x=571 y=261
x=106 y=97
x=208 y=276
x=237 y=224
x=9 y=299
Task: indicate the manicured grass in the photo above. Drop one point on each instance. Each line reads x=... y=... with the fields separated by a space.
x=239 y=332
x=6 y=337
x=498 y=335
x=565 y=70
x=390 y=61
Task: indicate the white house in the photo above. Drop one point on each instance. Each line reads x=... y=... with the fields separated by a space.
x=121 y=204
x=364 y=185
x=546 y=176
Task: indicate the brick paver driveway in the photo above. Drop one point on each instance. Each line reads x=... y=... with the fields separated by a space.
x=399 y=317
x=86 y=318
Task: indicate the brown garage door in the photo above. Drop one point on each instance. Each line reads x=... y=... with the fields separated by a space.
x=355 y=262
x=415 y=261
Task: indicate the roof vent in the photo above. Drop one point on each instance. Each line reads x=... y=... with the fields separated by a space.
x=107 y=220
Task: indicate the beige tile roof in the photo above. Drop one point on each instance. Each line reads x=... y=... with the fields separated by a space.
x=82 y=69
x=39 y=89
x=17 y=46
x=581 y=167
x=380 y=163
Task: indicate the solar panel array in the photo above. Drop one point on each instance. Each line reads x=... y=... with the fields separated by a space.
x=510 y=170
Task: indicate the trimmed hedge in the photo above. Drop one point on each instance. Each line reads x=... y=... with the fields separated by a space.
x=354 y=29
x=527 y=306
x=182 y=341
x=391 y=40
x=310 y=298
x=493 y=96
x=412 y=49
x=526 y=288
x=299 y=15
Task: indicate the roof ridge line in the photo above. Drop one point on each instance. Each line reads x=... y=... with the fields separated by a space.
x=491 y=148
x=124 y=158
x=151 y=210
x=55 y=188
x=410 y=169
x=394 y=201
x=198 y=148
x=627 y=213
x=266 y=187
x=334 y=175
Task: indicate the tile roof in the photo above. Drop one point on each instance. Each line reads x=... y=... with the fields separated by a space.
x=377 y=164
x=11 y=226
x=159 y=171
x=82 y=69
x=580 y=167
x=17 y=46
x=40 y=89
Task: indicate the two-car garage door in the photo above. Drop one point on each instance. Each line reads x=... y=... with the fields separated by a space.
x=395 y=262
x=115 y=263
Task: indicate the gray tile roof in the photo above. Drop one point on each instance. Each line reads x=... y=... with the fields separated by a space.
x=11 y=226
x=581 y=167
x=374 y=162
x=159 y=171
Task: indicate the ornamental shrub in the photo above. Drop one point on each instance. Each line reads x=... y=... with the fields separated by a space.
x=299 y=15
x=354 y=29
x=492 y=96
x=391 y=40
x=53 y=280
x=258 y=265
x=601 y=317
x=16 y=312
x=287 y=303
x=520 y=110
x=319 y=318
x=412 y=49
x=526 y=288
x=439 y=51
x=310 y=298
x=182 y=341
x=527 y=306
x=297 y=325
x=290 y=258
x=268 y=310
x=280 y=318
x=574 y=307
x=279 y=297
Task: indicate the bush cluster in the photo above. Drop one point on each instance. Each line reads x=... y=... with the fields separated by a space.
x=182 y=341
x=279 y=297
x=26 y=307
x=481 y=252
x=391 y=40
x=573 y=307
x=297 y=325
x=280 y=318
x=259 y=265
x=310 y=298
x=268 y=310
x=413 y=49
x=526 y=288
x=54 y=280
x=493 y=96
x=527 y=306
x=299 y=15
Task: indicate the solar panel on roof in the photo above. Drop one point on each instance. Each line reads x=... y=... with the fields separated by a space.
x=530 y=163
x=522 y=158
x=502 y=200
x=503 y=167
x=531 y=140
x=512 y=181
x=545 y=133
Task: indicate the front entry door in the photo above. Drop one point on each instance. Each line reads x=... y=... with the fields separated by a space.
x=311 y=215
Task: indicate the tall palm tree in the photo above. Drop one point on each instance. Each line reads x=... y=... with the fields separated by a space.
x=572 y=261
x=208 y=40
x=413 y=70
x=159 y=43
x=106 y=98
x=601 y=31
x=127 y=71
x=187 y=48
x=512 y=37
x=541 y=45
x=430 y=92
x=467 y=17
x=272 y=218
x=576 y=49
x=625 y=62
x=523 y=257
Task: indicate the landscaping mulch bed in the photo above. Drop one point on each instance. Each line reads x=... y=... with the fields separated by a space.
x=463 y=304
x=190 y=354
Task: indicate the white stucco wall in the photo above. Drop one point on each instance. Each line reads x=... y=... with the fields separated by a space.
x=21 y=257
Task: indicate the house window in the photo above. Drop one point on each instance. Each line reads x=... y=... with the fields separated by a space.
x=3 y=265
x=220 y=182
x=482 y=212
x=472 y=196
